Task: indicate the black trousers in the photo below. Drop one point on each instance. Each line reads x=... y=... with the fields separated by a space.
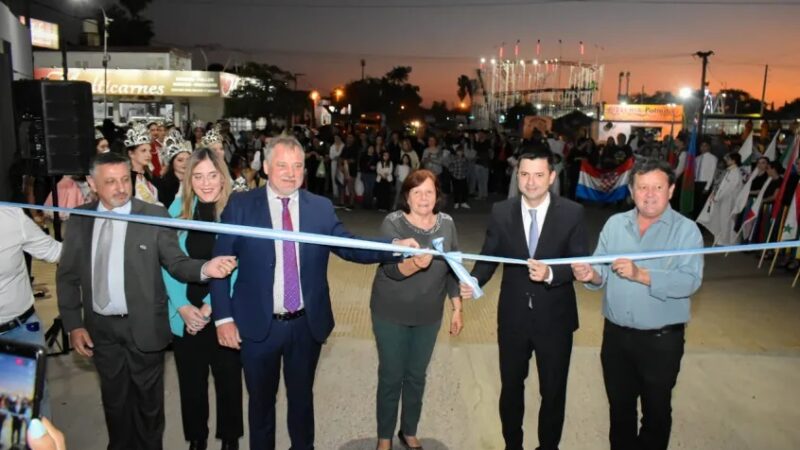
x=194 y=356
x=131 y=386
x=700 y=197
x=553 y=353
x=640 y=365
x=383 y=192
x=460 y=190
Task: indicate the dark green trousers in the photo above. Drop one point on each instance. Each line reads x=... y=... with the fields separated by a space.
x=403 y=356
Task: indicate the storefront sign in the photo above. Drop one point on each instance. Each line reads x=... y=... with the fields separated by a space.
x=152 y=83
x=643 y=113
x=43 y=34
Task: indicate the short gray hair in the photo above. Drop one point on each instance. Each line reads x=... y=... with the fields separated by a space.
x=286 y=141
x=106 y=159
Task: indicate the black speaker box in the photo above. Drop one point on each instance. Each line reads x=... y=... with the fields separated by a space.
x=55 y=125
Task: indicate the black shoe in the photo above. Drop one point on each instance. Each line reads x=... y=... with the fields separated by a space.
x=199 y=444
x=403 y=441
x=230 y=444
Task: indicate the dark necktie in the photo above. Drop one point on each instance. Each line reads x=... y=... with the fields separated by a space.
x=291 y=279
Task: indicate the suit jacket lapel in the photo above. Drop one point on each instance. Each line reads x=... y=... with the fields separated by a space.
x=549 y=228
x=262 y=218
x=88 y=229
x=304 y=214
x=519 y=245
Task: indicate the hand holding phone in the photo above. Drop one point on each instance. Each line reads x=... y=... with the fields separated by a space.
x=22 y=367
x=43 y=435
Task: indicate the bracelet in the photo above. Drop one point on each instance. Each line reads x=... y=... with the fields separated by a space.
x=458 y=309
x=413 y=261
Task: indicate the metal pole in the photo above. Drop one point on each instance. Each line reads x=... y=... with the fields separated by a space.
x=65 y=69
x=106 y=23
x=700 y=113
x=764 y=91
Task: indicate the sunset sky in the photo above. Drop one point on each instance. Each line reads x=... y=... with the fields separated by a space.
x=441 y=39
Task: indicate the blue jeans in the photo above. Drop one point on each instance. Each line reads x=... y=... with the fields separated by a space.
x=31 y=332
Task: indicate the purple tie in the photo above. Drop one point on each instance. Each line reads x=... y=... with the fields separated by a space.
x=291 y=282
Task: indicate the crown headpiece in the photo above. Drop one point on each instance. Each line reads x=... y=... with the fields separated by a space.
x=212 y=137
x=98 y=135
x=174 y=144
x=137 y=135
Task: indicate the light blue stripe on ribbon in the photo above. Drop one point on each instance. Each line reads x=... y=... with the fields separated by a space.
x=454 y=259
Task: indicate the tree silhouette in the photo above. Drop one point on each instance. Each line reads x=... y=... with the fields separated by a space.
x=128 y=27
x=737 y=101
x=391 y=95
x=267 y=95
x=465 y=88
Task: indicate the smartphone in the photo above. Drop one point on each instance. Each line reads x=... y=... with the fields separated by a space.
x=22 y=372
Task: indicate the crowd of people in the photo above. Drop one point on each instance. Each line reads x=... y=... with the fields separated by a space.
x=231 y=305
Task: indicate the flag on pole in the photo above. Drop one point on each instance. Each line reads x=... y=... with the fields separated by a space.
x=789 y=169
x=743 y=195
x=787 y=154
x=789 y=232
x=771 y=152
x=687 y=186
x=605 y=186
x=746 y=150
x=749 y=222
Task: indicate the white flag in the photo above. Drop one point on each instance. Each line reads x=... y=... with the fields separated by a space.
x=748 y=224
x=744 y=194
x=746 y=149
x=772 y=150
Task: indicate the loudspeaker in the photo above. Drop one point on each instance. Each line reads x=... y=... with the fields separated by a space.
x=8 y=141
x=55 y=125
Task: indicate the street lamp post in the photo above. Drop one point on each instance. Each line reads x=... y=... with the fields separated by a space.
x=314 y=99
x=106 y=23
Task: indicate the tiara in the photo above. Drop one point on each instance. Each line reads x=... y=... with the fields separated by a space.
x=98 y=135
x=137 y=135
x=212 y=137
x=174 y=144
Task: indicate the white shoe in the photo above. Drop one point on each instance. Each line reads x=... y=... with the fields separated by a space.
x=465 y=205
x=456 y=206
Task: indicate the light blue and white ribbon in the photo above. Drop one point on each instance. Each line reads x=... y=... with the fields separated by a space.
x=453 y=259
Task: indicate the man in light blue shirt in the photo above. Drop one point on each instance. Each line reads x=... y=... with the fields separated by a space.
x=646 y=306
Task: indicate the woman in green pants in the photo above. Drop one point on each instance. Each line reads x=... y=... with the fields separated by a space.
x=407 y=302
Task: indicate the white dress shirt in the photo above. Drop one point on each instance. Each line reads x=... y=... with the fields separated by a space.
x=541 y=213
x=276 y=213
x=118 y=305
x=20 y=234
x=705 y=168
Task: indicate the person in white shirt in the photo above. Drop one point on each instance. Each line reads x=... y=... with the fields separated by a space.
x=18 y=319
x=400 y=173
x=705 y=166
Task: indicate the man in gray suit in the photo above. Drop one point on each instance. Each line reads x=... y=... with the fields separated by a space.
x=112 y=300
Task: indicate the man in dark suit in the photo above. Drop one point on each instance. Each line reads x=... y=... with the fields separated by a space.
x=537 y=310
x=280 y=310
x=112 y=300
